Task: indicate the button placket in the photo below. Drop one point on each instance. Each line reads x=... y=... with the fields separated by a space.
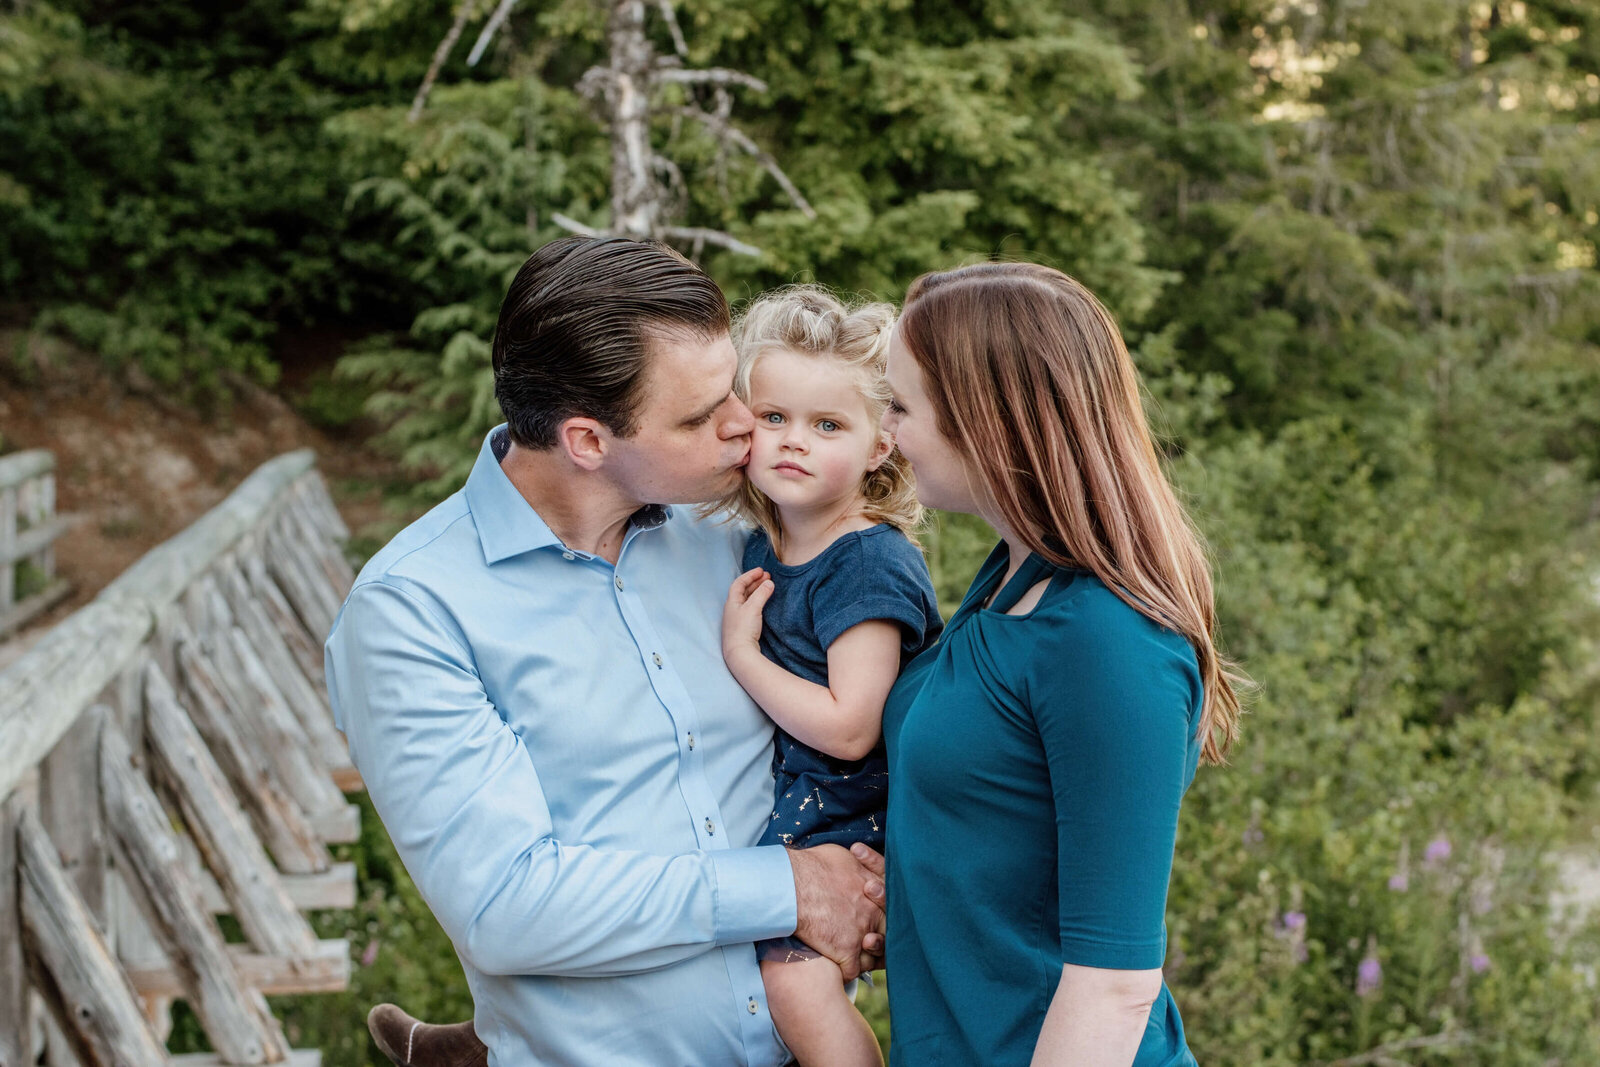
x=669 y=690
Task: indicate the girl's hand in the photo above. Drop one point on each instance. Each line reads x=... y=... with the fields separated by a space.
x=741 y=615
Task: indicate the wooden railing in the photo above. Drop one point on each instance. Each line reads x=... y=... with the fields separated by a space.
x=29 y=527
x=167 y=755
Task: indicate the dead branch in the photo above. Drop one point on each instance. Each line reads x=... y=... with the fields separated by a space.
x=566 y=222
x=708 y=76
x=440 y=54
x=490 y=28
x=1382 y=1056
x=670 y=17
x=728 y=133
x=710 y=237
x=698 y=236
x=675 y=183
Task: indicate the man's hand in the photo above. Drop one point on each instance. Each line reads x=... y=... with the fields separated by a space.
x=840 y=903
x=741 y=615
x=872 y=946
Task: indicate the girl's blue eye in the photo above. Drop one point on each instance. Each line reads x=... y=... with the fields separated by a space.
x=772 y=417
x=828 y=425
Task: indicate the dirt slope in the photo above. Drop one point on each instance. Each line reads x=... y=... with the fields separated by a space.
x=138 y=468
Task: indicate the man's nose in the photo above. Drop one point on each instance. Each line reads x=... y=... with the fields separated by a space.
x=737 y=420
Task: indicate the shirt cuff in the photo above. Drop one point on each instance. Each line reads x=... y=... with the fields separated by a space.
x=755 y=894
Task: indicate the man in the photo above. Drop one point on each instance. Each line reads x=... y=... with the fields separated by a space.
x=531 y=683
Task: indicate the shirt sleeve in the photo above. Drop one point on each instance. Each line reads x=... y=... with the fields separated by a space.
x=888 y=581
x=1111 y=695
x=461 y=799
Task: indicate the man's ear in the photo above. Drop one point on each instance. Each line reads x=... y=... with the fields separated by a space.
x=881 y=452
x=584 y=441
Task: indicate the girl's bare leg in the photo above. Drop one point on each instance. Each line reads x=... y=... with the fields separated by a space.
x=814 y=1016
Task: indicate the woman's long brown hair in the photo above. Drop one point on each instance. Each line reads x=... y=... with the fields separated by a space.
x=1029 y=378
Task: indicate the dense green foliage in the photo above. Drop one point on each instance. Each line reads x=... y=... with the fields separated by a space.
x=1353 y=249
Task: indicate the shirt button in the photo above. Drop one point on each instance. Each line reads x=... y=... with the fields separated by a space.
x=691 y=742
x=568 y=555
x=711 y=828
x=753 y=1007
x=619 y=583
x=657 y=657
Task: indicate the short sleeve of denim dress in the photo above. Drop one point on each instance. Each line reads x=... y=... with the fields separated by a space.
x=876 y=573
x=1038 y=762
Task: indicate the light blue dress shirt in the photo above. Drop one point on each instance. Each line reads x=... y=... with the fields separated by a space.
x=571 y=776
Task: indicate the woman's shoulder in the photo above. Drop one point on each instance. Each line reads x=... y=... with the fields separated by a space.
x=1081 y=613
x=1093 y=648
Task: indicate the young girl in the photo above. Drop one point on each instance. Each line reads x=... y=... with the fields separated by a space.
x=834 y=598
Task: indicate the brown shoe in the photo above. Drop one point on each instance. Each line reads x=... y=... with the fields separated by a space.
x=411 y=1042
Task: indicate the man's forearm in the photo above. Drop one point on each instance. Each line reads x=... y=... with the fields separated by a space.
x=584 y=912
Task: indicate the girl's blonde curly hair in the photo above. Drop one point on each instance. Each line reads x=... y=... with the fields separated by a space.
x=811 y=321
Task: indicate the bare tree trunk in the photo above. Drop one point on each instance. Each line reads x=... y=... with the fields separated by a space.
x=635 y=196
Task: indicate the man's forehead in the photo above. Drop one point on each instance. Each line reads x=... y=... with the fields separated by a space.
x=690 y=368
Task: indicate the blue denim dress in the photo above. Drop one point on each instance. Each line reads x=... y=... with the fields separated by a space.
x=869 y=574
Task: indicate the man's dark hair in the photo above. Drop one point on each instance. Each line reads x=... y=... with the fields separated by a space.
x=575 y=326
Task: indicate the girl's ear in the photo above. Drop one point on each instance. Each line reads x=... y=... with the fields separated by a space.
x=881 y=451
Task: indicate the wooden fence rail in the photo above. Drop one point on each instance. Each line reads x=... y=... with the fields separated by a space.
x=167 y=755
x=29 y=527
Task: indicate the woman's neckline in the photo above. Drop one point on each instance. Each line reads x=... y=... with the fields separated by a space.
x=996 y=601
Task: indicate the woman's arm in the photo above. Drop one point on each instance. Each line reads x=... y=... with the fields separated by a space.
x=1114 y=697
x=843 y=718
x=1097 y=1017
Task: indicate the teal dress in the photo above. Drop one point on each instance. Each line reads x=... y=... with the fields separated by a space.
x=1036 y=767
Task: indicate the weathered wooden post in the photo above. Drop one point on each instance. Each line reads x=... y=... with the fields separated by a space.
x=29 y=527
x=107 y=897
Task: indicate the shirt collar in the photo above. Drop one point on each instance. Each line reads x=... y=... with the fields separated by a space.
x=507 y=524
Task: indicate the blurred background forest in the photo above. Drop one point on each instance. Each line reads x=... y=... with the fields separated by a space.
x=1352 y=246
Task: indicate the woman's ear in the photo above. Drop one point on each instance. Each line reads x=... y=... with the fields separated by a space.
x=881 y=451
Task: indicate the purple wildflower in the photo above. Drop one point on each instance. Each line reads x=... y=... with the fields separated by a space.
x=1438 y=851
x=1399 y=882
x=1295 y=920
x=1479 y=963
x=1369 y=976
x=369 y=955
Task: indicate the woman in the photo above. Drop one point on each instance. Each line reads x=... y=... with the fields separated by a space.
x=1039 y=752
